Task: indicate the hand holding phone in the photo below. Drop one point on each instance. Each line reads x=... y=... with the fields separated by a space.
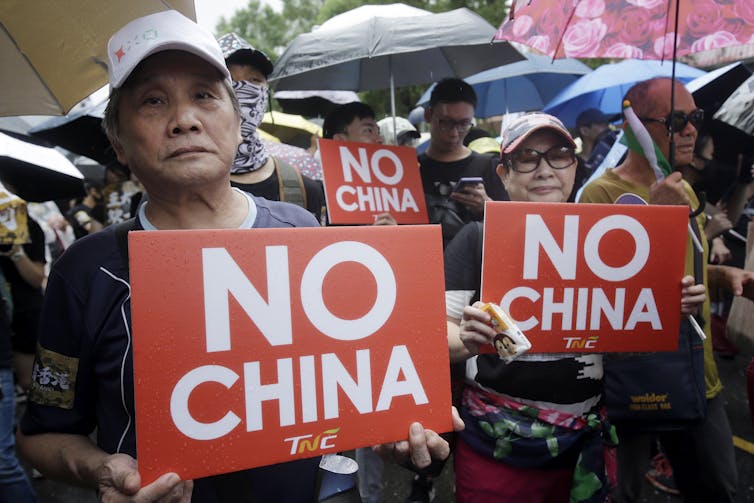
x=467 y=181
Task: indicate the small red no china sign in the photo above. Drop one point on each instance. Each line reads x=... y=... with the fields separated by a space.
x=363 y=180
x=253 y=347
x=587 y=277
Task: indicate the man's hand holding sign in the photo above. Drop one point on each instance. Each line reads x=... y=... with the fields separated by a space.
x=363 y=180
x=294 y=344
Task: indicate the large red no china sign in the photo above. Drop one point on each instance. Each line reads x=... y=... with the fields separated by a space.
x=253 y=347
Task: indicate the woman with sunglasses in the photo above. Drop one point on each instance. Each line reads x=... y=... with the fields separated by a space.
x=534 y=429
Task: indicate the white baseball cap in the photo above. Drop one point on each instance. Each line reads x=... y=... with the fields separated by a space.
x=158 y=32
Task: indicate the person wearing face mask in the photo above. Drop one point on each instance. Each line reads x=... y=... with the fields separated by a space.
x=254 y=170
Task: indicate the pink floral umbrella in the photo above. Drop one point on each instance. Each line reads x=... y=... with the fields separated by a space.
x=642 y=29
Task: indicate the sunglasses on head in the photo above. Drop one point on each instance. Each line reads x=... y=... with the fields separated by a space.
x=678 y=119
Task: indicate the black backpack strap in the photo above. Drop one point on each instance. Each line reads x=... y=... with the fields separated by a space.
x=121 y=236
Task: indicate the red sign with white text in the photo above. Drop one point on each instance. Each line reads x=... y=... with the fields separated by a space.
x=259 y=346
x=587 y=277
x=363 y=180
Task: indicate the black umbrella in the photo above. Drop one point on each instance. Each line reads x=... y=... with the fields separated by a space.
x=37 y=173
x=80 y=132
x=713 y=88
x=313 y=103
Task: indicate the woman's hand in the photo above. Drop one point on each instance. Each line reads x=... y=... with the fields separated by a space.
x=474 y=328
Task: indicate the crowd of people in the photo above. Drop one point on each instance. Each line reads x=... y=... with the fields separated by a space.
x=183 y=120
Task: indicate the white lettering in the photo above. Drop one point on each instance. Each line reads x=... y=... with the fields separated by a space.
x=340 y=197
x=401 y=363
x=295 y=440
x=362 y=198
x=308 y=389
x=179 y=410
x=645 y=310
x=223 y=277
x=537 y=234
x=256 y=393
x=592 y=304
x=387 y=154
x=601 y=305
x=550 y=307
x=641 y=251
x=335 y=375
x=515 y=293
x=313 y=301
x=349 y=163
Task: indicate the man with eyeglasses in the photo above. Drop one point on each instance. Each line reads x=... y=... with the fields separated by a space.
x=450 y=115
x=702 y=456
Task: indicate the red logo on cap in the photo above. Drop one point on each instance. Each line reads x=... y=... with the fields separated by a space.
x=120 y=53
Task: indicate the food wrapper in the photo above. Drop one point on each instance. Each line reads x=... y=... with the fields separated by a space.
x=14 y=226
x=510 y=342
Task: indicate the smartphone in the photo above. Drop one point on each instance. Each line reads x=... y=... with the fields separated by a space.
x=467 y=181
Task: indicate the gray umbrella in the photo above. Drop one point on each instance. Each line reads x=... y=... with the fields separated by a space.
x=738 y=109
x=384 y=53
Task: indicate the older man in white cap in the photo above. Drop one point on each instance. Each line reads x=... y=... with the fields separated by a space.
x=174 y=120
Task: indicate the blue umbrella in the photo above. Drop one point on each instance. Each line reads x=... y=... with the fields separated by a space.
x=521 y=86
x=605 y=87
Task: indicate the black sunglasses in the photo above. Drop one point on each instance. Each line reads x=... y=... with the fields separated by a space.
x=527 y=160
x=678 y=119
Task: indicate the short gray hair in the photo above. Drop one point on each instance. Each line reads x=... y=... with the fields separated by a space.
x=112 y=112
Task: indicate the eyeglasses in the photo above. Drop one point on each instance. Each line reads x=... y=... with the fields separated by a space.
x=527 y=160
x=448 y=125
x=679 y=119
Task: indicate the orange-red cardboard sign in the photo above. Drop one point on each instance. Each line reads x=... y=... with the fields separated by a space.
x=587 y=277
x=253 y=347
x=363 y=180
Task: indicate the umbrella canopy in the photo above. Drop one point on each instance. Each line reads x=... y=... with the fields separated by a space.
x=520 y=86
x=605 y=87
x=37 y=173
x=712 y=89
x=79 y=132
x=381 y=53
x=291 y=129
x=366 y=12
x=313 y=103
x=53 y=52
x=738 y=109
x=627 y=28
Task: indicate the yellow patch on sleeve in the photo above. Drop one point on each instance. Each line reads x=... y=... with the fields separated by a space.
x=53 y=381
